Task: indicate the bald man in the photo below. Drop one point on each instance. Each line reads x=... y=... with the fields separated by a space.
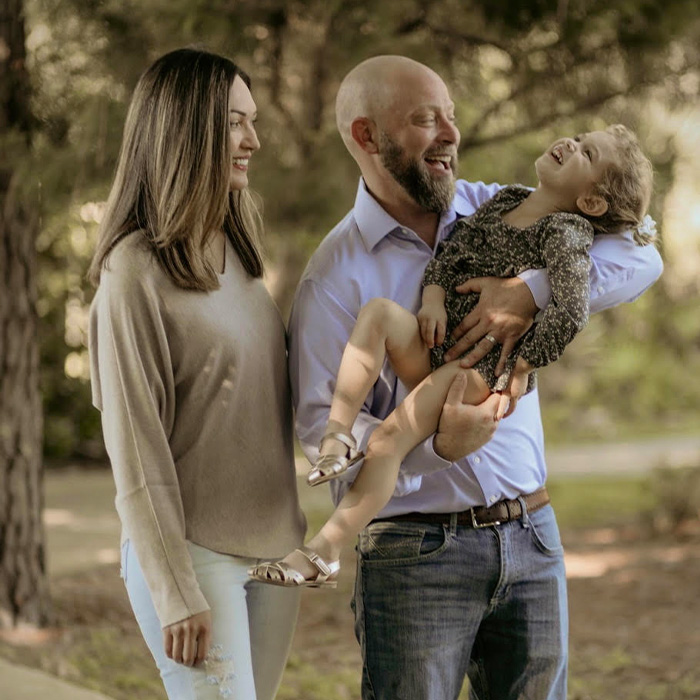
x=462 y=572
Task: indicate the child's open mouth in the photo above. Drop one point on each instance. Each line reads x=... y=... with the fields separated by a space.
x=557 y=154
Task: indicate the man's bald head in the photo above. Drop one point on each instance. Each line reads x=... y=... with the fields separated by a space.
x=396 y=118
x=373 y=88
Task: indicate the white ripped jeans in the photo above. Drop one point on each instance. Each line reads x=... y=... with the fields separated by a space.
x=252 y=629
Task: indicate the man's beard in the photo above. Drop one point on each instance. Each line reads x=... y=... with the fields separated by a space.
x=432 y=194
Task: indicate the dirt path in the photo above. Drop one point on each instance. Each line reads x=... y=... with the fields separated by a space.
x=625 y=457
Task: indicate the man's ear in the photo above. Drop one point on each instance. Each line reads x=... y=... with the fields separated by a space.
x=592 y=205
x=364 y=134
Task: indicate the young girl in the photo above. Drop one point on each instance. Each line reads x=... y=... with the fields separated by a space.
x=598 y=182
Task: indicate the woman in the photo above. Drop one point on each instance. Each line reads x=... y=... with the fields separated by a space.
x=189 y=372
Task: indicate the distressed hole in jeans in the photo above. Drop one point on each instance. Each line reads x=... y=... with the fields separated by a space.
x=219 y=669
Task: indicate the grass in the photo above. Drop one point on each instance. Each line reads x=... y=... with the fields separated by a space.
x=600 y=501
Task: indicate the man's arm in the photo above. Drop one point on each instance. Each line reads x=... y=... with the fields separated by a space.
x=320 y=326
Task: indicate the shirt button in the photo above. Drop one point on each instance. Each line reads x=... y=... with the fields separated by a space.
x=600 y=290
x=493 y=499
x=477 y=459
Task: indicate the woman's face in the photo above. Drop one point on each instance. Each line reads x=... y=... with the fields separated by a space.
x=244 y=141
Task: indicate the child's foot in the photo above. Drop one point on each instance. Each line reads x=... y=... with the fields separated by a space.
x=331 y=445
x=338 y=452
x=301 y=568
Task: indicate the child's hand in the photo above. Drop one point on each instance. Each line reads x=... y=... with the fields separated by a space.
x=432 y=320
x=515 y=389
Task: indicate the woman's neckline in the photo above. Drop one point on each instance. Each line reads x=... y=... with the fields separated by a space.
x=216 y=255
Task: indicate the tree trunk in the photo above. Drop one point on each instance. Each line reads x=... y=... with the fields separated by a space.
x=24 y=598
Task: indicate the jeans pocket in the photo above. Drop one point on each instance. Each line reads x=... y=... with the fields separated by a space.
x=545 y=532
x=124 y=556
x=387 y=544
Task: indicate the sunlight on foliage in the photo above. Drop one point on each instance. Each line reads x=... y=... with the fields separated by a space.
x=520 y=75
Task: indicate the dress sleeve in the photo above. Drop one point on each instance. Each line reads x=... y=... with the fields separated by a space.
x=621 y=271
x=565 y=243
x=134 y=388
x=442 y=269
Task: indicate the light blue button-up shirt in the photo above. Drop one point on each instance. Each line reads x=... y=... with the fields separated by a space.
x=369 y=254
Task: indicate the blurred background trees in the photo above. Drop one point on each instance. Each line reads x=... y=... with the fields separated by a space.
x=23 y=586
x=521 y=73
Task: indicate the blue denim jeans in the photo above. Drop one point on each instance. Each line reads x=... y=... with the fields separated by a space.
x=435 y=603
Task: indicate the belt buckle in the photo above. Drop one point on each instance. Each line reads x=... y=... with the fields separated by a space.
x=478 y=526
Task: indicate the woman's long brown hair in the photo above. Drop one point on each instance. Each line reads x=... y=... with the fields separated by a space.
x=172 y=179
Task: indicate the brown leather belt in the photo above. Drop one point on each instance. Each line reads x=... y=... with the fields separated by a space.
x=479 y=516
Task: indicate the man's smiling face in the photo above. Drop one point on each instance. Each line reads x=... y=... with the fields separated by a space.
x=418 y=144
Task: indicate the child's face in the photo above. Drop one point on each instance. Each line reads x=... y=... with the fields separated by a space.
x=572 y=166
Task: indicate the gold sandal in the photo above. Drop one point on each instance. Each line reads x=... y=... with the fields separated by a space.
x=328 y=467
x=279 y=573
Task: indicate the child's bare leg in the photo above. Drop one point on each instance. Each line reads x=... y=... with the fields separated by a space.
x=410 y=423
x=383 y=329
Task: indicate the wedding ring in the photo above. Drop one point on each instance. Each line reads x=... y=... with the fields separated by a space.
x=490 y=338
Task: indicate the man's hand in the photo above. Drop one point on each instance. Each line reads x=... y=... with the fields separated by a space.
x=464 y=428
x=187 y=641
x=505 y=311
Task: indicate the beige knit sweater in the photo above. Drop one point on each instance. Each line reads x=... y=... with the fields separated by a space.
x=197 y=419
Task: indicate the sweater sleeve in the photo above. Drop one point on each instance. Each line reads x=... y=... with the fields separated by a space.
x=134 y=388
x=565 y=243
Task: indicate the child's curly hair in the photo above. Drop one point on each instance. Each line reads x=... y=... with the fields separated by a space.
x=626 y=187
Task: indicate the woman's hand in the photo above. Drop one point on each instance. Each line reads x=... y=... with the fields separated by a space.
x=187 y=641
x=432 y=320
x=516 y=387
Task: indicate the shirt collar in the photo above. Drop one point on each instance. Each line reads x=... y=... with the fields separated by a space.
x=460 y=207
x=372 y=220
x=374 y=223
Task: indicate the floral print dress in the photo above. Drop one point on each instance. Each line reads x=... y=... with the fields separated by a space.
x=485 y=245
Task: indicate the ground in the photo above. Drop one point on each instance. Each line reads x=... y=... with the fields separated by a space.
x=634 y=609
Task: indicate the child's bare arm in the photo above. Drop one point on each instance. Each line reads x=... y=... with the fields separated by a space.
x=517 y=386
x=432 y=317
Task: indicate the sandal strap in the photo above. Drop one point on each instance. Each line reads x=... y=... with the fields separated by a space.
x=325 y=570
x=347 y=440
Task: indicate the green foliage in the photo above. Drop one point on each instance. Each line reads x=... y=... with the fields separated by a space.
x=520 y=74
x=676 y=497
x=599 y=501
x=635 y=369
